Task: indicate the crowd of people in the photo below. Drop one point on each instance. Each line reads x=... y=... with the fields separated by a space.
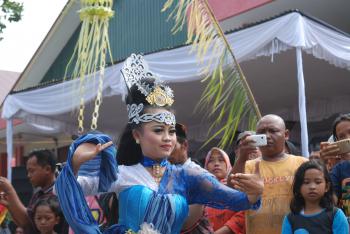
x=148 y=183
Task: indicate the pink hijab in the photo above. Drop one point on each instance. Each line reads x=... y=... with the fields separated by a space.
x=223 y=154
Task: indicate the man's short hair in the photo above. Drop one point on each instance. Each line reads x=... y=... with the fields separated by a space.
x=44 y=158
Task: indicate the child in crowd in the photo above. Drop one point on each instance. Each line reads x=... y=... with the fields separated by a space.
x=19 y=230
x=47 y=215
x=312 y=206
x=218 y=163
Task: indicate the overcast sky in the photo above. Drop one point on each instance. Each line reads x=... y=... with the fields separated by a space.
x=22 y=39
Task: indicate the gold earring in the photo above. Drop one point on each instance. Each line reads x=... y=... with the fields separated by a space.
x=137 y=141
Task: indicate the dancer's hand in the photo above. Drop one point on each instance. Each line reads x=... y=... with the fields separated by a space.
x=251 y=184
x=86 y=152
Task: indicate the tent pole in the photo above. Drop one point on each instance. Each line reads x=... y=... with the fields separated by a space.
x=302 y=105
x=9 y=145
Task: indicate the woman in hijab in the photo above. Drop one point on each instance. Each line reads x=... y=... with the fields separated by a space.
x=225 y=221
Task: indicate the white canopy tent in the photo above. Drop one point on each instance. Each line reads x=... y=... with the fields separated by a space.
x=52 y=106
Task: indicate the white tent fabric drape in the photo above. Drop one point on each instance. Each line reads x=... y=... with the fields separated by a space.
x=266 y=39
x=292 y=30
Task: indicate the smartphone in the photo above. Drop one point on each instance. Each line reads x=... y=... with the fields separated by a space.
x=344 y=146
x=260 y=139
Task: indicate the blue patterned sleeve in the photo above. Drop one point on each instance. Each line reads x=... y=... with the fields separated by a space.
x=70 y=194
x=98 y=174
x=203 y=188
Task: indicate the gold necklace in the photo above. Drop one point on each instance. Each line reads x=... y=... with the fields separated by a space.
x=157 y=173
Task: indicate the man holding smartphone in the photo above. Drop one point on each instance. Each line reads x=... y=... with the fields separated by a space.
x=277 y=169
x=253 y=154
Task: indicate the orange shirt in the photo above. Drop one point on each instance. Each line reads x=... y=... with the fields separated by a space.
x=278 y=179
x=231 y=219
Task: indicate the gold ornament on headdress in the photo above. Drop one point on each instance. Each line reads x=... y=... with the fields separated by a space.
x=159 y=97
x=90 y=52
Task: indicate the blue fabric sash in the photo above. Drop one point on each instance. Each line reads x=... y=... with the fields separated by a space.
x=70 y=194
x=148 y=162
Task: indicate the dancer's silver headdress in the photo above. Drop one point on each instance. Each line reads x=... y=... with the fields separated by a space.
x=135 y=71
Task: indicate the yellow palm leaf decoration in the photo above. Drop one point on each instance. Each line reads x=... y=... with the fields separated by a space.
x=90 y=52
x=227 y=94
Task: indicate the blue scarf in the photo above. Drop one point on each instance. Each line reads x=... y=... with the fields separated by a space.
x=70 y=194
x=148 y=162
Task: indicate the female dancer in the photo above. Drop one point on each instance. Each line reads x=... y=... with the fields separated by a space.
x=152 y=193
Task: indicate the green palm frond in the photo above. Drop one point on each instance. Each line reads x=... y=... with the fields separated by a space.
x=227 y=98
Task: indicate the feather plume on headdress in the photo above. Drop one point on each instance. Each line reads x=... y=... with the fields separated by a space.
x=227 y=93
